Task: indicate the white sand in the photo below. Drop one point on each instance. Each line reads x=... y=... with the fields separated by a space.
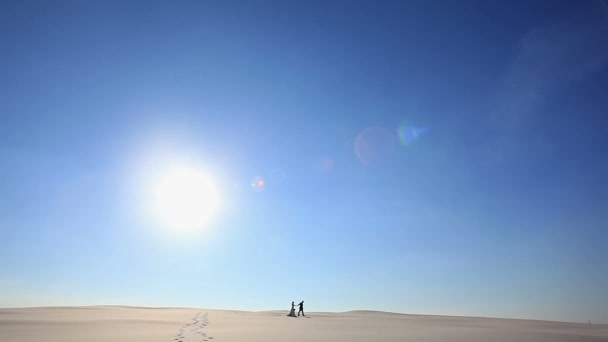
x=118 y=323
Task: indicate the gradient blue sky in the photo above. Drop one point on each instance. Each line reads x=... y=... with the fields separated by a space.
x=498 y=209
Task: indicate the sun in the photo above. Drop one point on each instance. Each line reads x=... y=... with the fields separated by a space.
x=185 y=198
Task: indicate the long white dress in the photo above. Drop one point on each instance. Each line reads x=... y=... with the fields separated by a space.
x=292 y=313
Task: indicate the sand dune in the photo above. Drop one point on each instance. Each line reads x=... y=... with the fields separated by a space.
x=122 y=323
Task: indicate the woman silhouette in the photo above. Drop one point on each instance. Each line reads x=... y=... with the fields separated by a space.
x=292 y=312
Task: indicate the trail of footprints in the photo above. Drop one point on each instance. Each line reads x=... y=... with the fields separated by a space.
x=193 y=330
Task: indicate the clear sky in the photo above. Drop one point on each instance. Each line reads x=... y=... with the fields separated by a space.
x=443 y=157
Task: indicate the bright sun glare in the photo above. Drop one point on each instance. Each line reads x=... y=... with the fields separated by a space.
x=185 y=198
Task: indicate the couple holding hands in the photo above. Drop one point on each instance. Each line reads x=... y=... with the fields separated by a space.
x=292 y=312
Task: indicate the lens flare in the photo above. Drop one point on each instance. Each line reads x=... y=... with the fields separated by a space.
x=258 y=184
x=375 y=144
x=409 y=134
x=325 y=163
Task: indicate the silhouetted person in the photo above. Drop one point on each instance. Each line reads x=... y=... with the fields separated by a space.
x=301 y=305
x=292 y=312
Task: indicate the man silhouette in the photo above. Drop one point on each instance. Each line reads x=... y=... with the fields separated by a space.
x=301 y=305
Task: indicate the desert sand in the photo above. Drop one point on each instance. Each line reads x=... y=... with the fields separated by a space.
x=122 y=323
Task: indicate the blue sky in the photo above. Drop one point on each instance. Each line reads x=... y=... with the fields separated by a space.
x=496 y=206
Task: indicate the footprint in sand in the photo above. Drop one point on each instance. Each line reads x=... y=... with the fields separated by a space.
x=194 y=329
